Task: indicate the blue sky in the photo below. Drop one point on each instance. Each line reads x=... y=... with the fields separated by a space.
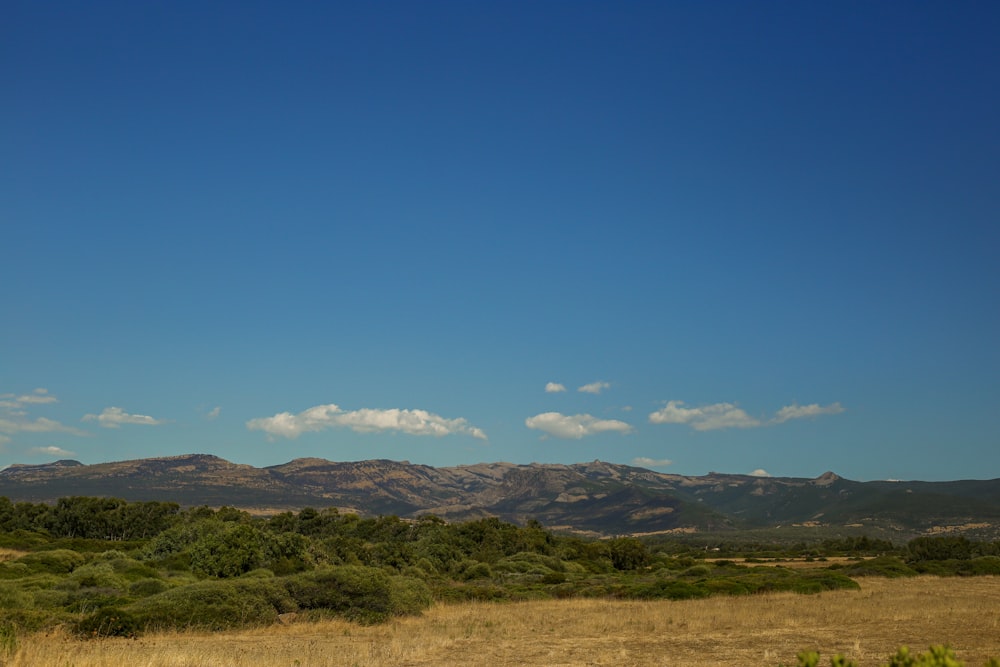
x=692 y=236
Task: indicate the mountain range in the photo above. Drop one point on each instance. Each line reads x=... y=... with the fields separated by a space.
x=596 y=498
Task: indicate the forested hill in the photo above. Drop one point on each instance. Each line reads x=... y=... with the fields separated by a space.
x=597 y=498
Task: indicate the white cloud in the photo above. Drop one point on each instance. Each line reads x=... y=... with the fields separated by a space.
x=14 y=416
x=40 y=425
x=727 y=415
x=760 y=472
x=554 y=388
x=803 y=411
x=366 y=420
x=37 y=397
x=594 y=387
x=214 y=412
x=50 y=451
x=114 y=417
x=705 y=418
x=576 y=426
x=646 y=462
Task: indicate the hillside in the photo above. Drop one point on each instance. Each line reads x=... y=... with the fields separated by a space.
x=597 y=497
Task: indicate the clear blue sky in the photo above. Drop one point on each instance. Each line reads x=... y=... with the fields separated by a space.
x=695 y=236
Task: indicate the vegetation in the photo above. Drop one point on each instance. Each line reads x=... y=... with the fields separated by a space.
x=110 y=568
x=937 y=656
x=742 y=631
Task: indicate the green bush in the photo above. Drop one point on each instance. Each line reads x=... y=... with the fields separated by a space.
x=454 y=592
x=526 y=562
x=553 y=578
x=936 y=656
x=97 y=575
x=667 y=589
x=132 y=569
x=146 y=587
x=108 y=622
x=214 y=605
x=360 y=593
x=13 y=596
x=477 y=571
x=234 y=550
x=56 y=561
x=985 y=565
x=87 y=599
x=883 y=566
x=408 y=596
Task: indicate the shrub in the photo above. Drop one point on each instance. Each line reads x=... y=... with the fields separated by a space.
x=698 y=571
x=214 y=605
x=986 y=565
x=883 y=566
x=233 y=551
x=937 y=656
x=132 y=569
x=97 y=575
x=56 y=561
x=666 y=589
x=13 y=596
x=553 y=578
x=525 y=562
x=408 y=596
x=477 y=571
x=87 y=599
x=146 y=587
x=108 y=622
x=357 y=592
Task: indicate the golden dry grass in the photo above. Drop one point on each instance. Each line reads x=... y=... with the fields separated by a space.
x=10 y=554
x=866 y=625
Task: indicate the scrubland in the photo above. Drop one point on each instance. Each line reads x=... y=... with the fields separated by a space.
x=751 y=630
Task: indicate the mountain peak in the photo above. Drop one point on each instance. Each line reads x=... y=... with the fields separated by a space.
x=827 y=479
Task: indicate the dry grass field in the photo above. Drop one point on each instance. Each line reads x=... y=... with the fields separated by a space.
x=757 y=631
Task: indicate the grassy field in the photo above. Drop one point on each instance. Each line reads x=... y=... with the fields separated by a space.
x=762 y=630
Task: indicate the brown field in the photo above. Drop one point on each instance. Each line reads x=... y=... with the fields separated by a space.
x=757 y=631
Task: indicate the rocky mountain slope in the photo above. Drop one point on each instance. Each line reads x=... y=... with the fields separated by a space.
x=597 y=498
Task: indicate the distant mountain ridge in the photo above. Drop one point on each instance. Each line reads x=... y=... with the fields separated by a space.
x=596 y=498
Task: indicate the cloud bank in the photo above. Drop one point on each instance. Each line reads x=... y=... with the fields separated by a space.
x=114 y=417
x=574 y=427
x=365 y=420
x=727 y=415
